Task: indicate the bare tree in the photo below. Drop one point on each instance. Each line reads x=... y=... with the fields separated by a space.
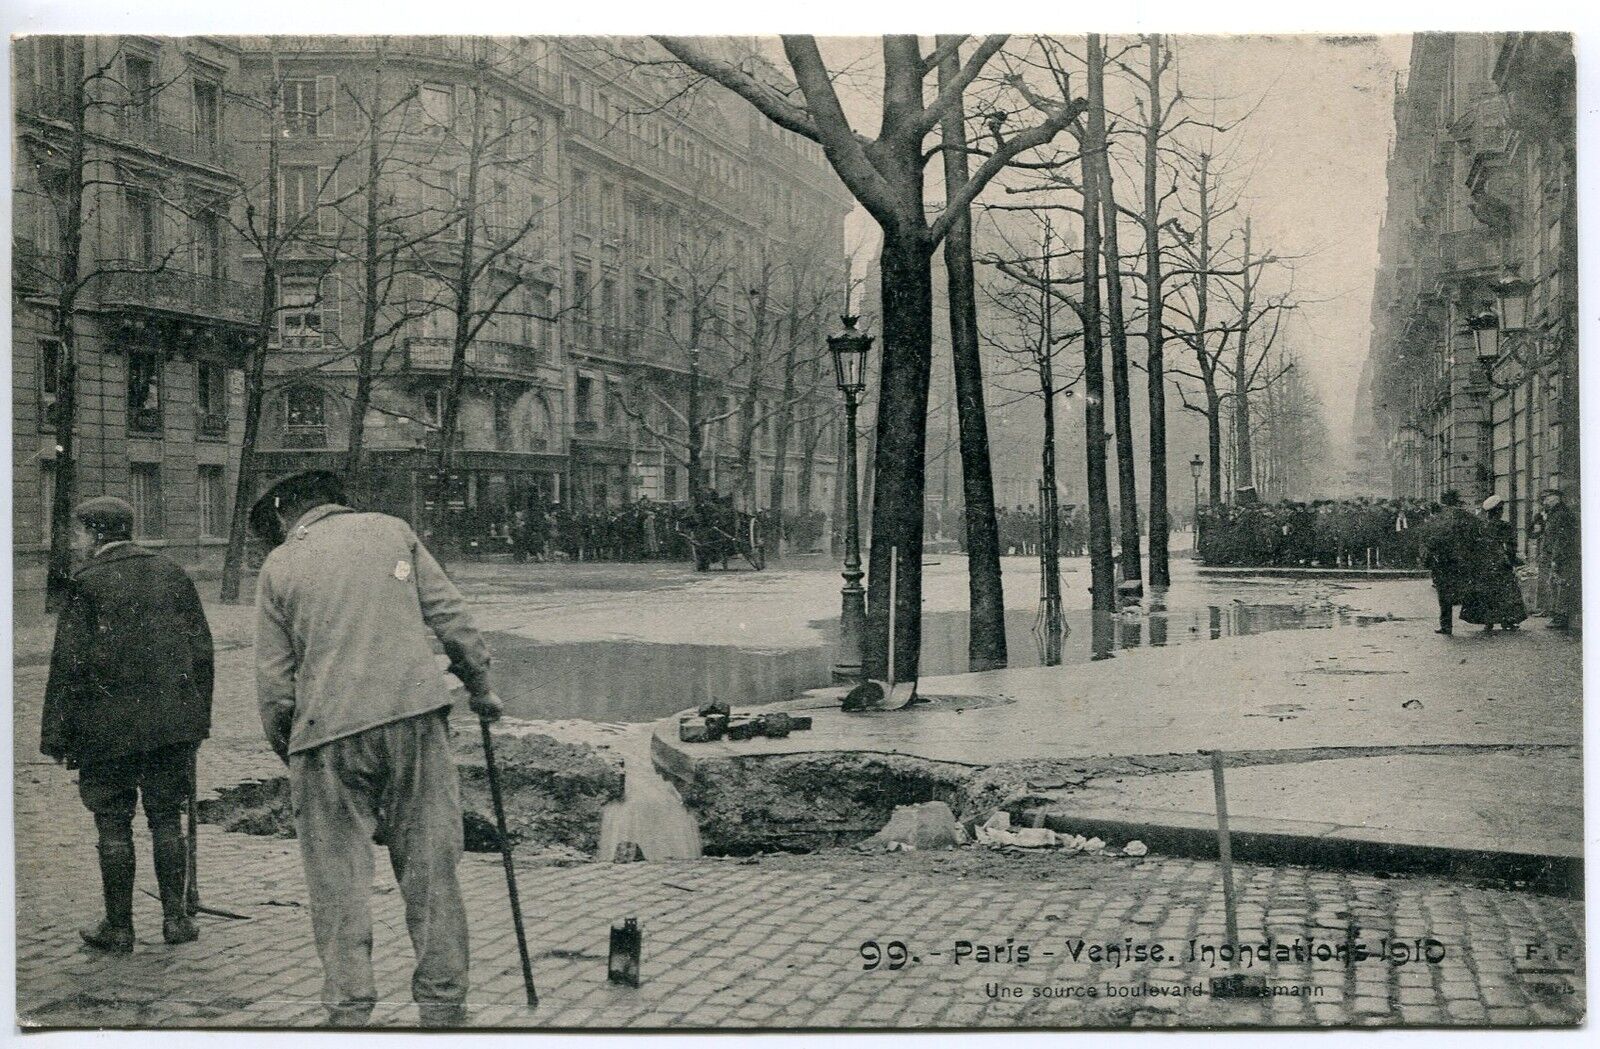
x=72 y=177
x=475 y=274
x=985 y=592
x=885 y=174
x=272 y=228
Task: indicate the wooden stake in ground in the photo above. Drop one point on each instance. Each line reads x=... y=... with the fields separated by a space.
x=1236 y=984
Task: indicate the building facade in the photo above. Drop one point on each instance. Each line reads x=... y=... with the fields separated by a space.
x=624 y=251
x=615 y=261
x=1480 y=233
x=157 y=314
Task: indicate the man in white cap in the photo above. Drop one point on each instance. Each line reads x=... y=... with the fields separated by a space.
x=353 y=701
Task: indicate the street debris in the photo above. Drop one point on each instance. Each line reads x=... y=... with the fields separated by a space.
x=716 y=721
x=1135 y=848
x=1411 y=704
x=930 y=825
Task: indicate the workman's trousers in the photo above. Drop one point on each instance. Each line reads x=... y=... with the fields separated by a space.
x=398 y=779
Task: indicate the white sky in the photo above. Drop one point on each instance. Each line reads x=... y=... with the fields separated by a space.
x=1314 y=150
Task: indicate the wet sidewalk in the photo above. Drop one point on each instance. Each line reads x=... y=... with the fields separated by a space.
x=1326 y=730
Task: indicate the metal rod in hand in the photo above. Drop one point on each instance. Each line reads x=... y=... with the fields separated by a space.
x=505 y=858
x=191 y=892
x=1225 y=852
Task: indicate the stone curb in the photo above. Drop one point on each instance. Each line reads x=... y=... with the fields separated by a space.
x=1274 y=842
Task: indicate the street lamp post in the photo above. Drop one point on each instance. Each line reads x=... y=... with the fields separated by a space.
x=849 y=349
x=1195 y=466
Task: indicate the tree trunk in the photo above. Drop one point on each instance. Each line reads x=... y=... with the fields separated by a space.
x=255 y=363
x=748 y=409
x=1121 y=399
x=1244 y=465
x=58 y=571
x=354 y=465
x=898 y=479
x=1155 y=335
x=783 y=425
x=1102 y=578
x=985 y=591
x=465 y=278
x=1214 y=443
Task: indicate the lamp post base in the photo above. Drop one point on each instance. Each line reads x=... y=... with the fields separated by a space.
x=852 y=632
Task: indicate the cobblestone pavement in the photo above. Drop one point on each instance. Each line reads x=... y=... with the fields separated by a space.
x=777 y=942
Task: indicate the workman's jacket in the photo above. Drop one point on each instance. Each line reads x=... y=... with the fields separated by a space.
x=347 y=608
x=132 y=667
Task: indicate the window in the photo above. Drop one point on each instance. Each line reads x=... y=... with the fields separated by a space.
x=609 y=305
x=144 y=486
x=49 y=381
x=213 y=496
x=582 y=400
x=207 y=113
x=300 y=107
x=504 y=402
x=299 y=314
x=211 y=399
x=300 y=192
x=613 y=404
x=435 y=102
x=205 y=232
x=141 y=229
x=582 y=216
x=305 y=423
x=144 y=391
x=642 y=314
x=433 y=407
x=140 y=83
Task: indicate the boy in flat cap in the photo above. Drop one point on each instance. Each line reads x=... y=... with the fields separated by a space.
x=354 y=702
x=127 y=703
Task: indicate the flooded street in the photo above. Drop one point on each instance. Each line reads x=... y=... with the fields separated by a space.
x=630 y=681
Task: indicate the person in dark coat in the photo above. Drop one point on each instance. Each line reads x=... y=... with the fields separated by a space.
x=1560 y=545
x=1448 y=542
x=1495 y=596
x=127 y=703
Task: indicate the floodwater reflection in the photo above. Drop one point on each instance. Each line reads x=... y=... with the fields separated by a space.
x=639 y=681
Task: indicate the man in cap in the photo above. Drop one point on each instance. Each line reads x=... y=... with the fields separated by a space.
x=127 y=703
x=353 y=701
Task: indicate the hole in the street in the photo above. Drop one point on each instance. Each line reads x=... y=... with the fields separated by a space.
x=641 y=681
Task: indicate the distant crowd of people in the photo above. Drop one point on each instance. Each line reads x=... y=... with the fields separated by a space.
x=645 y=530
x=1472 y=557
x=1018 y=528
x=1327 y=533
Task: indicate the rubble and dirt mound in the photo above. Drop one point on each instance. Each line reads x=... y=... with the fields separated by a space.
x=554 y=792
x=803 y=802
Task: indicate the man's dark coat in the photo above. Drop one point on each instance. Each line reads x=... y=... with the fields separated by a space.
x=132 y=668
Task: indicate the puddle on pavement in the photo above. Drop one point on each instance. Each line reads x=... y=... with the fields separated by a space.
x=640 y=681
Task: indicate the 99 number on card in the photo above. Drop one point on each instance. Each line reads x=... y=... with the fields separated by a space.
x=891 y=955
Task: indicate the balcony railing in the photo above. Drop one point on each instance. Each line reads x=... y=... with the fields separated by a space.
x=485 y=357
x=144 y=420
x=1466 y=251
x=211 y=424
x=184 y=143
x=175 y=291
x=305 y=437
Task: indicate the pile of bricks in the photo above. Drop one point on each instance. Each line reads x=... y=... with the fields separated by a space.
x=716 y=721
